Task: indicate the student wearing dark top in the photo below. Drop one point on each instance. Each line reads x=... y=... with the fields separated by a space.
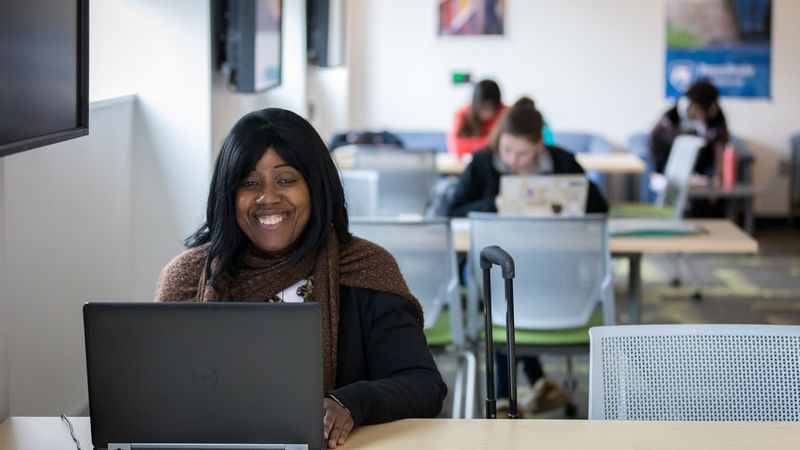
x=698 y=113
x=516 y=147
x=277 y=231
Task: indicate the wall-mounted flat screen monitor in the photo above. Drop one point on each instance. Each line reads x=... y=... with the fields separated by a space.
x=44 y=72
x=253 y=44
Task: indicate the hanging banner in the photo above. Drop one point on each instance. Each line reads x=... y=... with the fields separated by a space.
x=724 y=41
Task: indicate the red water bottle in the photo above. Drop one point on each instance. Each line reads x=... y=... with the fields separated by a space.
x=728 y=167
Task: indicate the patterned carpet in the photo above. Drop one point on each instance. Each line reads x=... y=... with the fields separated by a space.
x=761 y=289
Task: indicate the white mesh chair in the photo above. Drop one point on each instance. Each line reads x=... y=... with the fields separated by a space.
x=563 y=271
x=360 y=192
x=405 y=177
x=424 y=251
x=695 y=372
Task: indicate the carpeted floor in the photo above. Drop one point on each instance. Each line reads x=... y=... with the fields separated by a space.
x=762 y=289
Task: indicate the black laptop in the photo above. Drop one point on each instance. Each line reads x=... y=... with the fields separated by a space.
x=204 y=375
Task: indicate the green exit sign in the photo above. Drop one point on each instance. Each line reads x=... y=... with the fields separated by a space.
x=461 y=77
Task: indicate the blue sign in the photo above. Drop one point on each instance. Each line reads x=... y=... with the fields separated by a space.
x=736 y=72
x=724 y=42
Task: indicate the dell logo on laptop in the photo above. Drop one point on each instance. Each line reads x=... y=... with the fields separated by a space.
x=204 y=377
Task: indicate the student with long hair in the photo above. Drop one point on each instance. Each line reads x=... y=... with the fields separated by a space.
x=472 y=123
x=276 y=230
x=517 y=147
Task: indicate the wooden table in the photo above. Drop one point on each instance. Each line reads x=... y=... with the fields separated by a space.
x=34 y=433
x=449 y=164
x=611 y=163
x=721 y=237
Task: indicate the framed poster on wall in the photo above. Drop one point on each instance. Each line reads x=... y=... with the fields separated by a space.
x=471 y=17
x=727 y=42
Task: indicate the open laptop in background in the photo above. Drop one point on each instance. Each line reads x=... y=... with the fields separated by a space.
x=544 y=195
x=164 y=375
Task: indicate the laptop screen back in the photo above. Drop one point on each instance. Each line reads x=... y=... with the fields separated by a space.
x=232 y=373
x=543 y=195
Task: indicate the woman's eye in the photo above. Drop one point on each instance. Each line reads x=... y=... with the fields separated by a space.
x=286 y=181
x=248 y=183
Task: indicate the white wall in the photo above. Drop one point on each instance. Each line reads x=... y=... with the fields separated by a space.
x=228 y=105
x=68 y=241
x=96 y=218
x=172 y=142
x=173 y=86
x=327 y=99
x=593 y=65
x=113 y=70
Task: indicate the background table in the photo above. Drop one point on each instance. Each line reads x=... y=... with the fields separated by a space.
x=34 y=433
x=611 y=163
x=740 y=194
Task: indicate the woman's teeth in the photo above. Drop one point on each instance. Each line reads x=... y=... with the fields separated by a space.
x=271 y=220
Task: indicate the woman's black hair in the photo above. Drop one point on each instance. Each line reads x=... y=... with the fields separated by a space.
x=486 y=91
x=297 y=143
x=703 y=93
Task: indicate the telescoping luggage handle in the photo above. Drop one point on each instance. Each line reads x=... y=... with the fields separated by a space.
x=489 y=256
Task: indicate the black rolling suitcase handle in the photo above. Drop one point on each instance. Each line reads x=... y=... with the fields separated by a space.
x=489 y=256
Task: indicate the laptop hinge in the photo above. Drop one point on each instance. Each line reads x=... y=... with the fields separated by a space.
x=207 y=446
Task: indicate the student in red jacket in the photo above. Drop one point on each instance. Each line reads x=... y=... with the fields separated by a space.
x=472 y=123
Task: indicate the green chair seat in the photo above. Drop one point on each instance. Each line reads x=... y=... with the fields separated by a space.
x=562 y=336
x=640 y=210
x=440 y=333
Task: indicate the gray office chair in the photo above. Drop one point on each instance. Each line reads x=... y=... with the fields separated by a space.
x=424 y=251
x=695 y=372
x=360 y=192
x=563 y=273
x=405 y=177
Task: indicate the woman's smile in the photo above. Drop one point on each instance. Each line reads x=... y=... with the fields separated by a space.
x=271 y=220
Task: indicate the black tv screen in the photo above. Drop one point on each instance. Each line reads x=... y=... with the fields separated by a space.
x=253 y=41
x=44 y=72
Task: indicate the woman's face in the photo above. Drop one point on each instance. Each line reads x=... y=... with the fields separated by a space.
x=273 y=204
x=518 y=153
x=487 y=111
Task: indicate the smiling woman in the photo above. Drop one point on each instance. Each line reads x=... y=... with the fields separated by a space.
x=273 y=204
x=277 y=231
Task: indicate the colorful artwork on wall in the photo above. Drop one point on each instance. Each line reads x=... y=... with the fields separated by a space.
x=471 y=17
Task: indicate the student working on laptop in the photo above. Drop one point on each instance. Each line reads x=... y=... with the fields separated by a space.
x=516 y=147
x=277 y=231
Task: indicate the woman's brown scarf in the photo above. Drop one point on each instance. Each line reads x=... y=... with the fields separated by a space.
x=359 y=263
